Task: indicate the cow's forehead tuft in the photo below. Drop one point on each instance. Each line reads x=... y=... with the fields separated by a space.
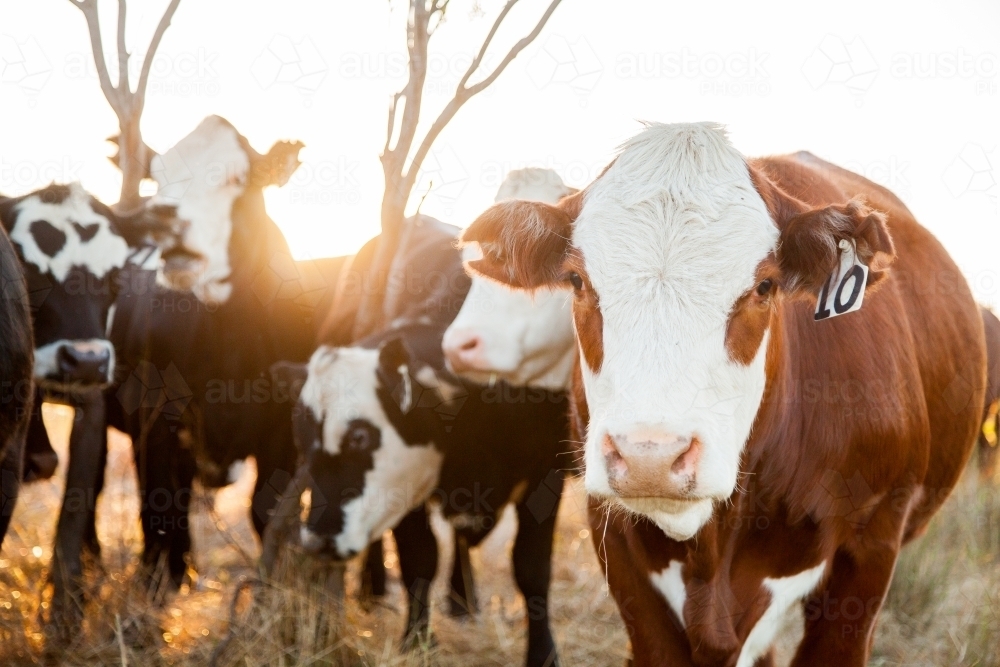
x=676 y=216
x=57 y=233
x=341 y=385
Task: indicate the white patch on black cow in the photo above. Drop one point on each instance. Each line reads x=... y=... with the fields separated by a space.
x=342 y=387
x=55 y=237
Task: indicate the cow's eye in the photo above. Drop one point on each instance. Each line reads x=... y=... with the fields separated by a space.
x=575 y=280
x=764 y=288
x=358 y=439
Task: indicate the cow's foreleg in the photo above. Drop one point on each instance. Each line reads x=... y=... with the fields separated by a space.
x=532 y=571
x=275 y=468
x=10 y=478
x=840 y=618
x=373 y=573
x=166 y=471
x=418 y=560
x=462 y=601
x=87 y=442
x=40 y=460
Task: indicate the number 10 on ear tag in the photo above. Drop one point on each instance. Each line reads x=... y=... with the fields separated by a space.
x=844 y=290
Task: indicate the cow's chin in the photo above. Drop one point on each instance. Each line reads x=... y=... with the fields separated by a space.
x=678 y=519
x=54 y=387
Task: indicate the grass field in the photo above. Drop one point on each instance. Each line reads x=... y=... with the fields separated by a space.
x=944 y=607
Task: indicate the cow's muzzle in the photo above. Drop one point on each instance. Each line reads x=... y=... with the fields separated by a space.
x=652 y=465
x=322 y=546
x=72 y=364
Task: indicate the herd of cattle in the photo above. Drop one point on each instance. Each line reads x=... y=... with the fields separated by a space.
x=757 y=361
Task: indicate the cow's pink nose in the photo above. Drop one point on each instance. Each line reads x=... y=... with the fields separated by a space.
x=645 y=465
x=465 y=351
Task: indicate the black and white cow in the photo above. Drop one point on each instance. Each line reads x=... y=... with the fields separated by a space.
x=70 y=249
x=193 y=389
x=468 y=448
x=386 y=434
x=16 y=390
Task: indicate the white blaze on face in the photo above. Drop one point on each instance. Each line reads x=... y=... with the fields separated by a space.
x=671 y=236
x=202 y=176
x=524 y=339
x=58 y=236
x=341 y=387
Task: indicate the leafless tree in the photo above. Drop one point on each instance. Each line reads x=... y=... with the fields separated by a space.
x=133 y=155
x=400 y=169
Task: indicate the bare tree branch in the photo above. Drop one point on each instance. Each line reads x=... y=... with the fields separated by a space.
x=133 y=154
x=123 y=82
x=463 y=93
x=486 y=43
x=89 y=9
x=400 y=178
x=154 y=44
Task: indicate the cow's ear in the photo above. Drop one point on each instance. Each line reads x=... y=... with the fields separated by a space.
x=291 y=376
x=392 y=354
x=145 y=157
x=394 y=372
x=523 y=243
x=278 y=165
x=808 y=248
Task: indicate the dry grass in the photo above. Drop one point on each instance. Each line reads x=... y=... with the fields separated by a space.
x=944 y=607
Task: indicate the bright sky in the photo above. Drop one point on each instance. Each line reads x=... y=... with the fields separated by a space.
x=907 y=93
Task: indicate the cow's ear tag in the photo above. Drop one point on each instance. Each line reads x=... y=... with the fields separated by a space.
x=844 y=290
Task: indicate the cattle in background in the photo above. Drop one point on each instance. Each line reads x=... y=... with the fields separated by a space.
x=193 y=389
x=434 y=289
x=387 y=437
x=719 y=478
x=70 y=250
x=16 y=364
x=523 y=339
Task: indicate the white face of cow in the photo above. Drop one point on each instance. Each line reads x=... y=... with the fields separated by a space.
x=201 y=176
x=70 y=254
x=669 y=239
x=55 y=236
x=679 y=255
x=525 y=339
x=365 y=477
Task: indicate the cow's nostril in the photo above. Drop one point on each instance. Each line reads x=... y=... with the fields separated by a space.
x=84 y=363
x=470 y=345
x=612 y=456
x=687 y=461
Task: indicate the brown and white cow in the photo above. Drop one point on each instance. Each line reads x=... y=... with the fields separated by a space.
x=523 y=339
x=743 y=456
